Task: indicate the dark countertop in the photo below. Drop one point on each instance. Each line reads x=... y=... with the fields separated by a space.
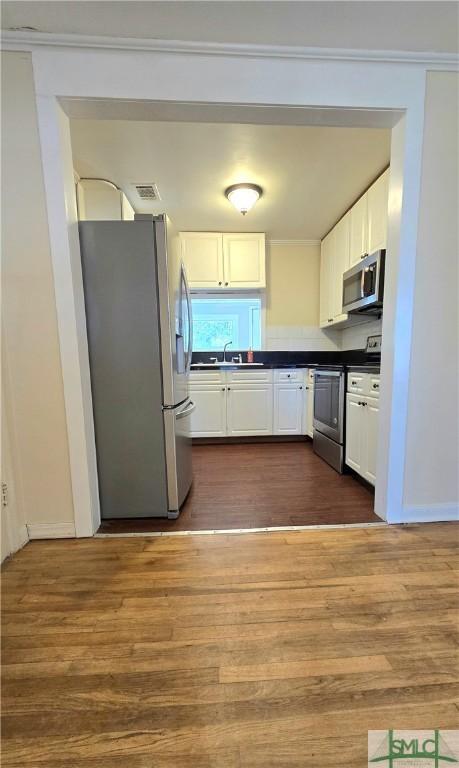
x=236 y=367
x=289 y=359
x=370 y=368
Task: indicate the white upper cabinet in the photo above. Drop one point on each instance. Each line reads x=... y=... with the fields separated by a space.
x=202 y=254
x=358 y=230
x=362 y=230
x=340 y=263
x=244 y=260
x=334 y=261
x=326 y=257
x=219 y=261
x=378 y=197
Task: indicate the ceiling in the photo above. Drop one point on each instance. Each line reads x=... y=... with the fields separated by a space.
x=374 y=25
x=310 y=175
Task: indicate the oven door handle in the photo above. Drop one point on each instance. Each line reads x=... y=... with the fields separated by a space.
x=337 y=374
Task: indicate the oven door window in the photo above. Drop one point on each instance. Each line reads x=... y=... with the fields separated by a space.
x=326 y=400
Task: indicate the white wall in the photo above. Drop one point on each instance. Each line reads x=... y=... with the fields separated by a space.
x=432 y=465
x=35 y=405
x=292 y=298
x=30 y=311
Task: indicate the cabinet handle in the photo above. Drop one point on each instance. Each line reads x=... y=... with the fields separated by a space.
x=229 y=389
x=375 y=386
x=306 y=387
x=223 y=389
x=301 y=387
x=226 y=283
x=288 y=375
x=354 y=383
x=220 y=282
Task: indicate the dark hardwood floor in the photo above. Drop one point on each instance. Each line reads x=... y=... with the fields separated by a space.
x=259 y=485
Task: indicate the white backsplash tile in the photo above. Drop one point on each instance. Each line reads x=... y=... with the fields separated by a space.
x=355 y=337
x=301 y=339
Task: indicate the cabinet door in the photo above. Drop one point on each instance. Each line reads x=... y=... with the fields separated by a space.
x=326 y=256
x=371 y=433
x=310 y=410
x=378 y=196
x=202 y=254
x=288 y=409
x=244 y=260
x=339 y=264
x=358 y=230
x=355 y=433
x=250 y=409
x=209 y=417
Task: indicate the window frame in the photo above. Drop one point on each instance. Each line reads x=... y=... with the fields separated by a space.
x=241 y=294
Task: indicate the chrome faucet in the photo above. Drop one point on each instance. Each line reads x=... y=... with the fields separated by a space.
x=224 y=350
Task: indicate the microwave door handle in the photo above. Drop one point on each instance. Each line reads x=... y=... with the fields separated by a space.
x=362 y=284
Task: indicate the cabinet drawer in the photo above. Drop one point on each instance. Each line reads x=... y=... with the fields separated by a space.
x=288 y=375
x=246 y=377
x=357 y=383
x=207 y=377
x=373 y=385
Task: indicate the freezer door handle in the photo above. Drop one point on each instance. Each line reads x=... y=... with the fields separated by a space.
x=189 y=312
x=187 y=411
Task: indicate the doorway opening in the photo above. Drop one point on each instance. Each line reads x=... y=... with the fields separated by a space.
x=255 y=463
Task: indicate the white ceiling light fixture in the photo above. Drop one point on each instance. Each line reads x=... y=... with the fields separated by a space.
x=243 y=196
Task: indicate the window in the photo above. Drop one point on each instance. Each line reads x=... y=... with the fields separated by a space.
x=218 y=319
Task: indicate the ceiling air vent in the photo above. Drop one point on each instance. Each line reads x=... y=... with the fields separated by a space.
x=147 y=192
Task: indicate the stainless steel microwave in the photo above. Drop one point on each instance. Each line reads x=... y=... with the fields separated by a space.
x=363 y=285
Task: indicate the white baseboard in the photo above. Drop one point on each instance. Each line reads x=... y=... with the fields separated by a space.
x=51 y=530
x=428 y=513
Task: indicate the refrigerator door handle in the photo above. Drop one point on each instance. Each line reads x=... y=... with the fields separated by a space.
x=186 y=411
x=189 y=318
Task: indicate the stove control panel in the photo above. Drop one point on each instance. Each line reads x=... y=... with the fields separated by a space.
x=373 y=344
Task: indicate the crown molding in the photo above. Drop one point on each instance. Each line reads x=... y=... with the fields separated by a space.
x=294 y=242
x=17 y=40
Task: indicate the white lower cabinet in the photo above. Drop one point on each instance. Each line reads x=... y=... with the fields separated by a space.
x=308 y=417
x=260 y=402
x=288 y=409
x=355 y=429
x=209 y=416
x=249 y=409
x=362 y=435
x=372 y=415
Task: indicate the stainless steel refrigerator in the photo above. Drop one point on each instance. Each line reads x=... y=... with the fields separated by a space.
x=138 y=320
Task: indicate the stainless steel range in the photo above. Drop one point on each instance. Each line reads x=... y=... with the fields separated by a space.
x=329 y=395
